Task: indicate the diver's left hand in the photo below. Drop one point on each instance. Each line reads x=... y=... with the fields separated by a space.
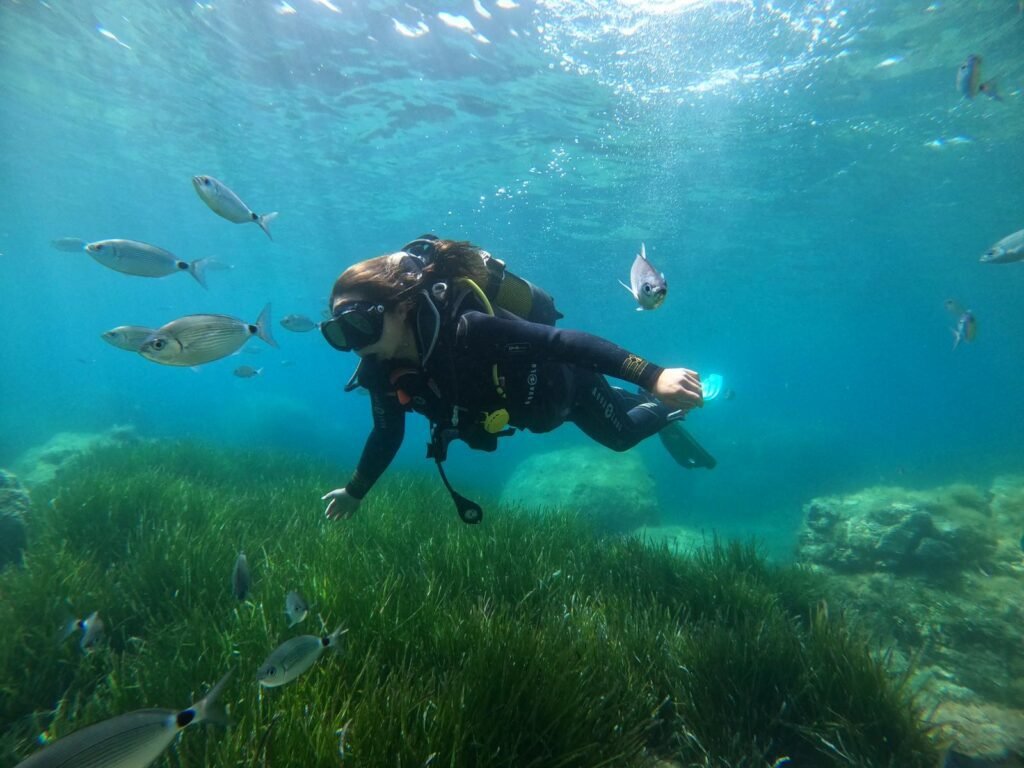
x=679 y=388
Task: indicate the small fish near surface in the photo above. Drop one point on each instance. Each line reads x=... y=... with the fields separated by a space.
x=69 y=244
x=1010 y=248
x=227 y=204
x=132 y=257
x=646 y=284
x=295 y=607
x=968 y=80
x=247 y=372
x=966 y=325
x=295 y=656
x=127 y=337
x=132 y=740
x=197 y=339
x=298 y=323
x=241 y=578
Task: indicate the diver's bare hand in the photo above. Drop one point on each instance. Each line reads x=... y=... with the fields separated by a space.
x=341 y=506
x=679 y=388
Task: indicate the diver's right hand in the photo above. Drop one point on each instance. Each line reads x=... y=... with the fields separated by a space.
x=679 y=388
x=342 y=504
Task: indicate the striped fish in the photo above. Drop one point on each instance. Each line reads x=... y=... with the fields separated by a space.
x=197 y=339
x=133 y=740
x=143 y=260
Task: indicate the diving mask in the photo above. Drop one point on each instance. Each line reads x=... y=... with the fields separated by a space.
x=354 y=325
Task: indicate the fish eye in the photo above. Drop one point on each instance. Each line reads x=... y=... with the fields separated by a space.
x=158 y=344
x=647 y=288
x=206 y=180
x=97 y=247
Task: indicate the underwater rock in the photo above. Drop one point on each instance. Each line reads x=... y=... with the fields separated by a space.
x=936 y=577
x=41 y=464
x=14 y=505
x=611 y=490
x=891 y=529
x=985 y=732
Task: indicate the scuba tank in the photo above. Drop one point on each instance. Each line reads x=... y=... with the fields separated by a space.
x=503 y=288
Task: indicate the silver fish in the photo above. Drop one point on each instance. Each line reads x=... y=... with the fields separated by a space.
x=293 y=657
x=227 y=204
x=1010 y=248
x=646 y=284
x=132 y=740
x=240 y=577
x=247 y=371
x=128 y=337
x=143 y=260
x=69 y=244
x=298 y=323
x=296 y=608
x=92 y=631
x=196 y=339
x=966 y=324
x=968 y=80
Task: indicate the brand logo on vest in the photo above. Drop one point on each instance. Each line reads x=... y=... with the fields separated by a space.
x=531 y=384
x=608 y=406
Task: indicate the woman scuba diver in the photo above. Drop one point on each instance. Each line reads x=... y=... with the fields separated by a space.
x=443 y=329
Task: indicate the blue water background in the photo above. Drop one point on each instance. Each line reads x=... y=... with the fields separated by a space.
x=806 y=175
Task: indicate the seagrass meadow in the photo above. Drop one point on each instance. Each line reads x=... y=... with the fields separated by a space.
x=525 y=641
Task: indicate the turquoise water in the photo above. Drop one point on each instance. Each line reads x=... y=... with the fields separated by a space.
x=806 y=175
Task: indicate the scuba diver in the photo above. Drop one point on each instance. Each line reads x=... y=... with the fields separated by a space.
x=443 y=329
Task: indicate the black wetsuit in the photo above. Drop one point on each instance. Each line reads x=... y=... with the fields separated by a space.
x=545 y=377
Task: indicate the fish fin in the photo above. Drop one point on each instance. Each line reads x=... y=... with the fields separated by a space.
x=213 y=262
x=194 y=368
x=631 y=291
x=263 y=327
x=264 y=222
x=334 y=639
x=639 y=309
x=956 y=337
x=209 y=708
x=643 y=251
x=198 y=270
x=989 y=89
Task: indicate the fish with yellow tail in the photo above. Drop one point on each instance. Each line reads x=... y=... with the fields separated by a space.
x=966 y=328
x=968 y=80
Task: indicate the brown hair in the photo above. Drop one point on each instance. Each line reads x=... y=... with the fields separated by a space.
x=392 y=278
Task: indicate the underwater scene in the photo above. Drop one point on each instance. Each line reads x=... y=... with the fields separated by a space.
x=548 y=383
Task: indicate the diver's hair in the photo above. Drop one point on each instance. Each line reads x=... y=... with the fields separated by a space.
x=393 y=278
